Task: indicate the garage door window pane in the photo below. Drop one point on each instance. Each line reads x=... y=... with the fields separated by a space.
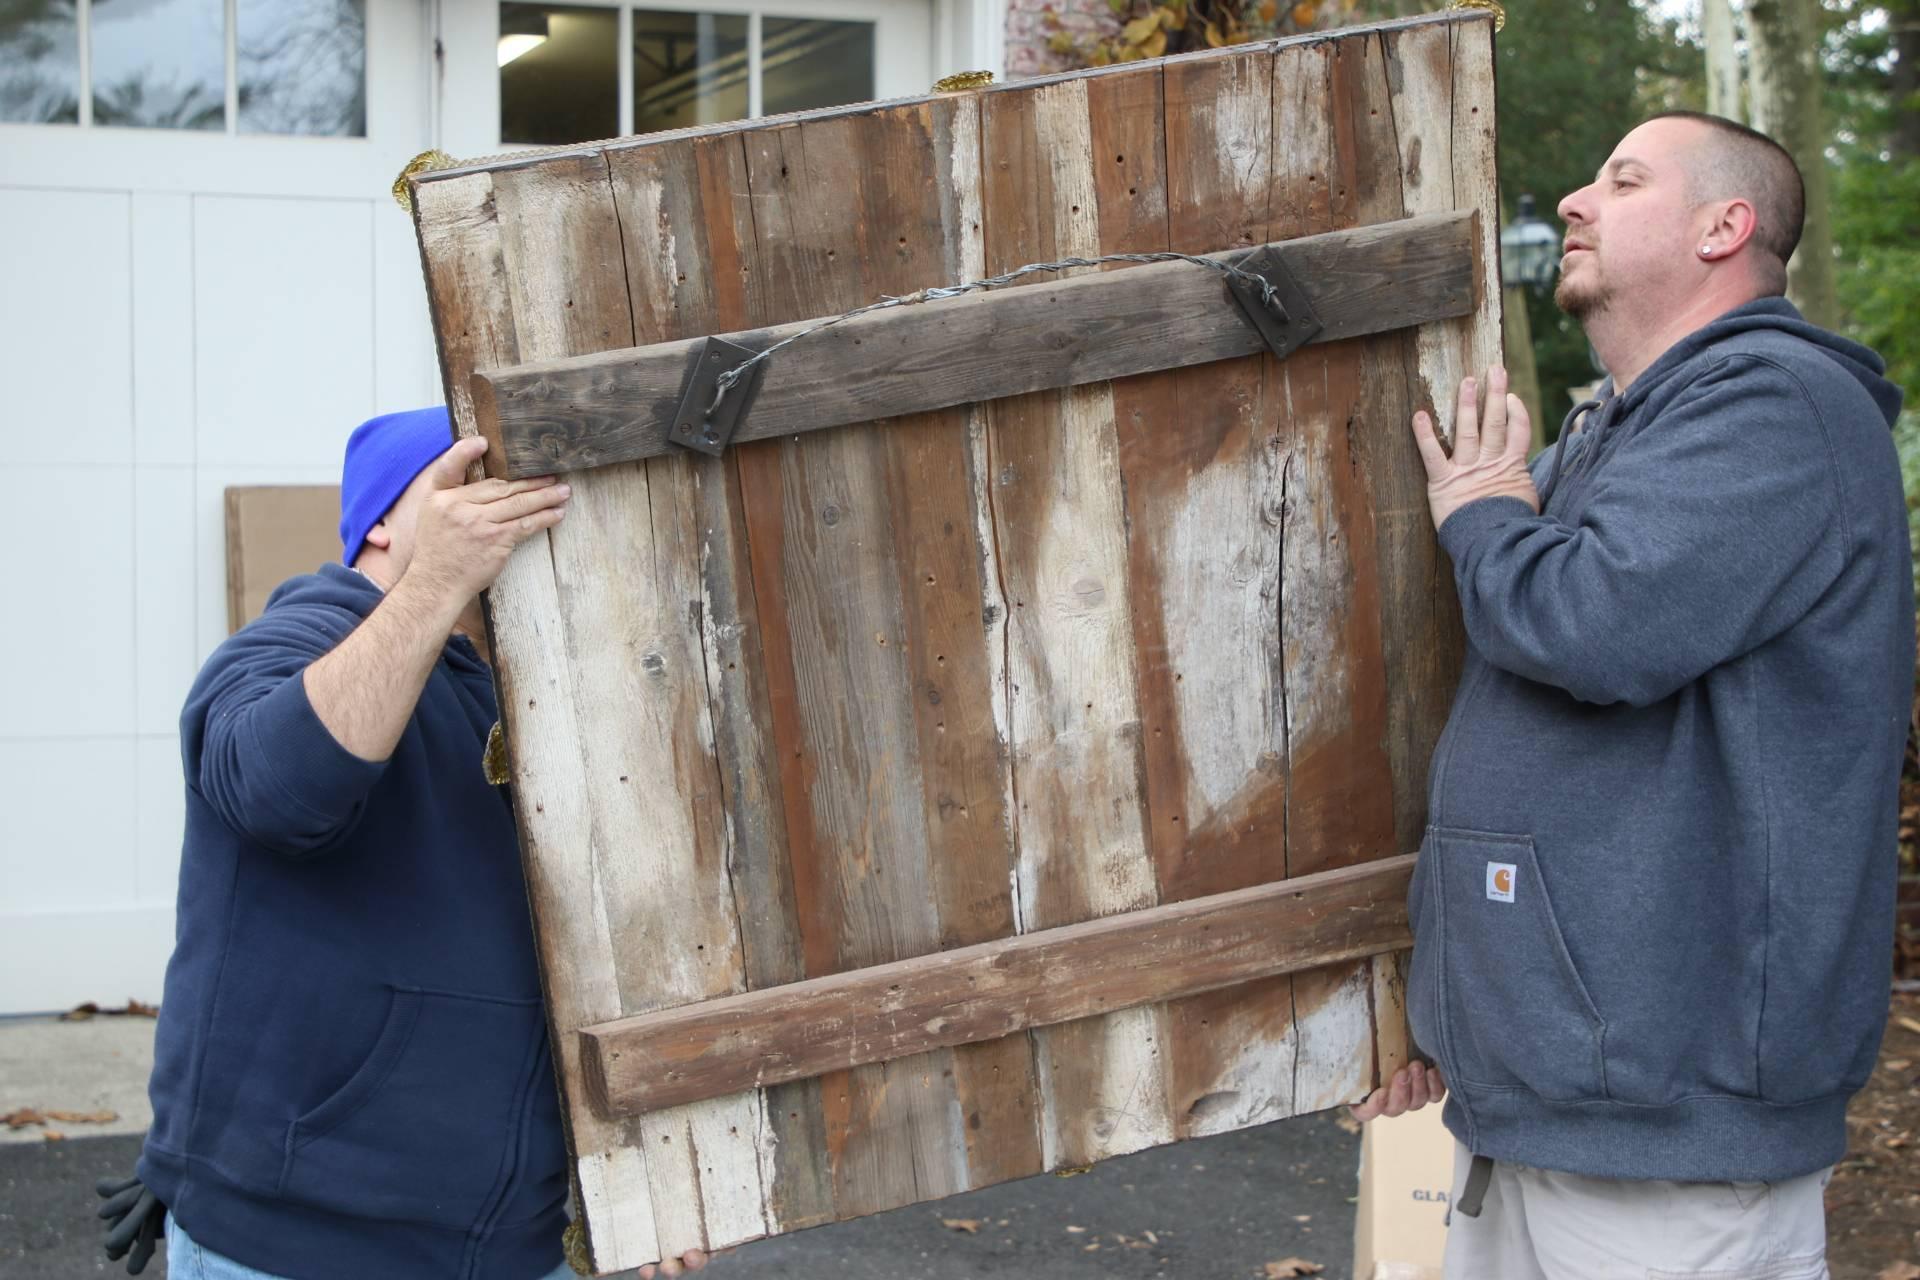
x=688 y=68
x=39 y=62
x=302 y=67
x=807 y=63
x=160 y=63
x=559 y=74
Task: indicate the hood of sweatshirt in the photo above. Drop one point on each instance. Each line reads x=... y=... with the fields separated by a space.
x=1860 y=363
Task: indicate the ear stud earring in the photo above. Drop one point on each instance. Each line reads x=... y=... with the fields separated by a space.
x=1706 y=249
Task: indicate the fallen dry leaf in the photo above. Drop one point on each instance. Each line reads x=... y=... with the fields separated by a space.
x=969 y=1225
x=1288 y=1268
x=1347 y=1123
x=22 y=1118
x=1074 y=1231
x=54 y=1135
x=1914 y=1027
x=132 y=1009
x=84 y=1117
x=1899 y=1271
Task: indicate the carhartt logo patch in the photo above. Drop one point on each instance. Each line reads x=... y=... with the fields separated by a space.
x=1500 y=881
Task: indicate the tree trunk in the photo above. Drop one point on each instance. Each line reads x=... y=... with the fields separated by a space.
x=1785 y=94
x=1723 y=60
x=1523 y=376
x=1904 y=17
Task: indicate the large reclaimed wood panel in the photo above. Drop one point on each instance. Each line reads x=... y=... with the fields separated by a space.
x=841 y=700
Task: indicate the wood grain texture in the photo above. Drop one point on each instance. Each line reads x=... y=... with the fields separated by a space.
x=1205 y=488
x=689 y=250
x=462 y=247
x=957 y=678
x=659 y=861
x=618 y=406
x=868 y=542
x=992 y=990
x=1074 y=723
x=1337 y=679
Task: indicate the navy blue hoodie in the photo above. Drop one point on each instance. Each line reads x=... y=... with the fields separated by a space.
x=351 y=1072
x=1653 y=915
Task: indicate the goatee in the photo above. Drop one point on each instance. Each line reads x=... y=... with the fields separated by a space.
x=1576 y=301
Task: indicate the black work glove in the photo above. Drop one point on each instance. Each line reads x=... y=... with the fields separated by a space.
x=134 y=1216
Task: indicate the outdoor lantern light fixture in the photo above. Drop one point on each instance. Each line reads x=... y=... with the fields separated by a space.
x=1529 y=250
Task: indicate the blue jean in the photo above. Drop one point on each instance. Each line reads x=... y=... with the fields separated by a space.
x=189 y=1260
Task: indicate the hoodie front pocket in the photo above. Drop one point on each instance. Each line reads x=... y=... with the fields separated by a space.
x=429 y=1125
x=1515 y=1011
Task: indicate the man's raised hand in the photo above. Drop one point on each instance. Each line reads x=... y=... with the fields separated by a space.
x=466 y=531
x=1489 y=457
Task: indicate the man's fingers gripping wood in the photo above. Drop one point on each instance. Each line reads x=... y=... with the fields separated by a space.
x=519 y=506
x=1431 y=451
x=449 y=470
x=1466 y=424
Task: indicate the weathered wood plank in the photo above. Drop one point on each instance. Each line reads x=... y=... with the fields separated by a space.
x=461 y=245
x=1205 y=494
x=659 y=856
x=688 y=231
x=1443 y=114
x=935 y=476
x=618 y=406
x=995 y=989
x=841 y=557
x=1337 y=681
x=1073 y=717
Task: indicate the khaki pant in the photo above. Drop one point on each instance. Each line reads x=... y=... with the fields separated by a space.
x=1536 y=1224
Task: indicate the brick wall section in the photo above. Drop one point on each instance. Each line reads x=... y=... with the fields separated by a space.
x=1028 y=31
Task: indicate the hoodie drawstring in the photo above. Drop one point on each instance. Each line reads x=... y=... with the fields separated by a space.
x=1560 y=447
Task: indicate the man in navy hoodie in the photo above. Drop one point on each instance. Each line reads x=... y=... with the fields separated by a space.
x=1653 y=913
x=352 y=1078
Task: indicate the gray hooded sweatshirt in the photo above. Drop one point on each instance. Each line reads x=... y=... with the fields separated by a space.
x=1653 y=915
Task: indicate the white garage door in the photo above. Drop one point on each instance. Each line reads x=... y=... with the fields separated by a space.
x=204 y=282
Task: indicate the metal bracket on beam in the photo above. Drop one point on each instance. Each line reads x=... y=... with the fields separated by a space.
x=1286 y=322
x=708 y=417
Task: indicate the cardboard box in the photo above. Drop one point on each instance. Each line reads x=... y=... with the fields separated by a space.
x=274 y=532
x=1406 y=1172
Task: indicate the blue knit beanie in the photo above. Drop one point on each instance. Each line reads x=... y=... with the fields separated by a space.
x=384 y=454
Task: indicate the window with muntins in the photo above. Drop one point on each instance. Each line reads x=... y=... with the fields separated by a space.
x=219 y=66
x=563 y=79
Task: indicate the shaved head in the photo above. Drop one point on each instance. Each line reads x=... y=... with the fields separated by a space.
x=1733 y=162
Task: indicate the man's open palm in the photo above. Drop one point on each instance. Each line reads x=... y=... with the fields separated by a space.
x=1489 y=458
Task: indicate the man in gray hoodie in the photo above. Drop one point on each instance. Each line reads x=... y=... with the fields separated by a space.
x=1653 y=913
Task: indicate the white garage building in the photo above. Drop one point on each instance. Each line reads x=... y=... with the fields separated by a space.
x=204 y=282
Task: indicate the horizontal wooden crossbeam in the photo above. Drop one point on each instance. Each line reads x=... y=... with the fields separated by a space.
x=994 y=989
x=619 y=406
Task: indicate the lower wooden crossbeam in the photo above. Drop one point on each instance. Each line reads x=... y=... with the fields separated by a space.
x=718 y=1047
